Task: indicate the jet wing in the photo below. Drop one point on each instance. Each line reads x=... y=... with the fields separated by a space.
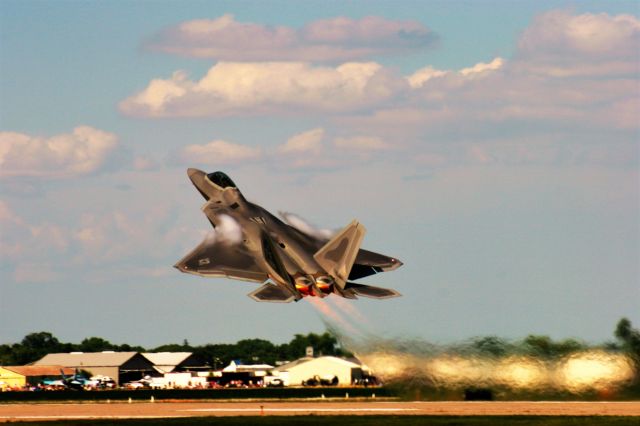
x=370 y=291
x=214 y=258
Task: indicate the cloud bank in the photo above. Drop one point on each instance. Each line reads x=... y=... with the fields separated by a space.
x=563 y=45
x=326 y=40
x=311 y=149
x=570 y=71
x=83 y=151
x=42 y=251
x=571 y=80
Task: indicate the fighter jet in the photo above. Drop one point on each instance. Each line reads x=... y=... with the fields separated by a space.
x=75 y=382
x=248 y=243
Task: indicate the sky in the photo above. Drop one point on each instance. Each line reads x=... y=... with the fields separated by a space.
x=492 y=146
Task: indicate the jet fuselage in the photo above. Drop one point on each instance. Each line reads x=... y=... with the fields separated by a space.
x=299 y=263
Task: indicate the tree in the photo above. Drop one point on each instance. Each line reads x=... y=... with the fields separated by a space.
x=629 y=336
x=217 y=355
x=128 y=348
x=170 y=347
x=34 y=346
x=6 y=355
x=544 y=346
x=630 y=339
x=256 y=350
x=95 y=344
x=40 y=340
x=491 y=345
x=322 y=344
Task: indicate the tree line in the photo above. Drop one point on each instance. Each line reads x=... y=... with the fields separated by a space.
x=36 y=345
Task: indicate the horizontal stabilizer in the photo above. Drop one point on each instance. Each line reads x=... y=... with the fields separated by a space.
x=370 y=291
x=270 y=292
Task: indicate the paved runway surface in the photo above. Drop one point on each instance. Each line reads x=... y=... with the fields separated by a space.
x=16 y=412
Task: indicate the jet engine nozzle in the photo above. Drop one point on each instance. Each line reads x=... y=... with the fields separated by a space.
x=325 y=284
x=308 y=287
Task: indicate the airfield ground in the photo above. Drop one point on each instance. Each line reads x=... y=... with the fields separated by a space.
x=199 y=410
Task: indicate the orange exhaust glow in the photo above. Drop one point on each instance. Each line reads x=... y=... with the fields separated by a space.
x=325 y=288
x=304 y=290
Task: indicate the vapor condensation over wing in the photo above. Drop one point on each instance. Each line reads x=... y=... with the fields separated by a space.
x=302 y=225
x=226 y=230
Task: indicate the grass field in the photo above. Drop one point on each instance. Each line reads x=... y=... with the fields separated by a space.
x=360 y=421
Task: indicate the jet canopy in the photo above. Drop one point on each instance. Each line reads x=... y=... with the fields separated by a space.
x=221 y=179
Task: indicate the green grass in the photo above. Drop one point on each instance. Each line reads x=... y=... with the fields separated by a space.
x=361 y=421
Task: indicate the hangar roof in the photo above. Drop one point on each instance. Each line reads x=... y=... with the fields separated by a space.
x=285 y=367
x=39 y=370
x=166 y=362
x=301 y=361
x=166 y=358
x=87 y=359
x=237 y=366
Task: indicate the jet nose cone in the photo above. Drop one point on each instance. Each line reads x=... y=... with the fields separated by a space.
x=193 y=172
x=198 y=178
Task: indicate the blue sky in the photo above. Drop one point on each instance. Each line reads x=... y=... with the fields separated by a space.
x=492 y=146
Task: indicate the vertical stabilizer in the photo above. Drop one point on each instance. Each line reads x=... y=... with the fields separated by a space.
x=339 y=254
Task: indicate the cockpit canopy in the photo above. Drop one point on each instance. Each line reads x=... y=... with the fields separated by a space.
x=221 y=179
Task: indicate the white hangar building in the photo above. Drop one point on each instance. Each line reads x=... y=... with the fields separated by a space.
x=324 y=368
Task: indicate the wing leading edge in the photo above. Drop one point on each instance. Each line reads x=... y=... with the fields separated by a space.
x=222 y=259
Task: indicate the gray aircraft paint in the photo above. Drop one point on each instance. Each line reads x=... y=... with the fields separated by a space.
x=266 y=248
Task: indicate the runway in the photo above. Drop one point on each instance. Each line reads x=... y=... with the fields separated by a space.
x=146 y=410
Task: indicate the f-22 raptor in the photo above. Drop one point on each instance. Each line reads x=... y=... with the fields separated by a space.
x=251 y=244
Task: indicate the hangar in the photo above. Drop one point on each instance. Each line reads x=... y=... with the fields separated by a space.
x=20 y=376
x=329 y=368
x=247 y=374
x=121 y=366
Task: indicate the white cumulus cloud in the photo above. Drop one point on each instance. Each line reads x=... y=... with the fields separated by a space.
x=570 y=73
x=561 y=44
x=83 y=151
x=231 y=88
x=423 y=75
x=481 y=67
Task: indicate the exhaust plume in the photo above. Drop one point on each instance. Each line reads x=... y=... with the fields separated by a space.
x=504 y=367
